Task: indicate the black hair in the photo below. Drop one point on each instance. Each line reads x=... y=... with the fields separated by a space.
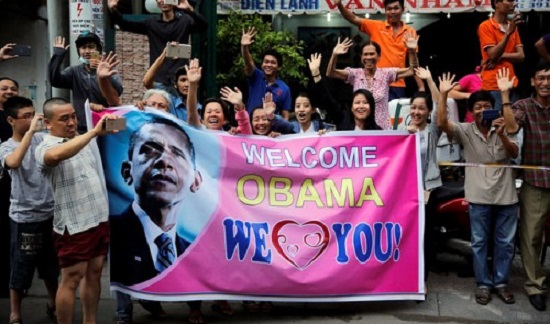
x=303 y=94
x=10 y=79
x=426 y=96
x=275 y=54
x=179 y=72
x=225 y=108
x=14 y=104
x=370 y=122
x=377 y=47
x=542 y=65
x=163 y=121
x=493 y=3
x=481 y=95
x=388 y=2
x=50 y=103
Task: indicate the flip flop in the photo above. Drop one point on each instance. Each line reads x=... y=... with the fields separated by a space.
x=16 y=321
x=505 y=295
x=483 y=295
x=195 y=317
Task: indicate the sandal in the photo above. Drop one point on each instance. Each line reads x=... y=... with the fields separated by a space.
x=505 y=295
x=16 y=321
x=483 y=295
x=50 y=311
x=250 y=306
x=195 y=317
x=222 y=307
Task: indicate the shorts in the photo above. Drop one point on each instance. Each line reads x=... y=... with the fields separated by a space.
x=83 y=246
x=31 y=247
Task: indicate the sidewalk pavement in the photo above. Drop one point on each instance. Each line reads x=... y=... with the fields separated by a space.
x=450 y=300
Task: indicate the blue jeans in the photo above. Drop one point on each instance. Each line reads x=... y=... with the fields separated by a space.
x=498 y=98
x=124 y=306
x=496 y=221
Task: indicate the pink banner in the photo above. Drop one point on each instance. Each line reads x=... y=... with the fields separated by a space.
x=337 y=217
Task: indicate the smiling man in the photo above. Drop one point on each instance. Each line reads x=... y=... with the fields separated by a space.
x=264 y=80
x=161 y=169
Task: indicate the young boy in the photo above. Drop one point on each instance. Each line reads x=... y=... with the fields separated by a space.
x=31 y=210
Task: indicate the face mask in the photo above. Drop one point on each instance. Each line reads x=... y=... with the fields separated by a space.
x=83 y=60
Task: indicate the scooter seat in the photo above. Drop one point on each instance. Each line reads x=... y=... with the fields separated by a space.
x=449 y=190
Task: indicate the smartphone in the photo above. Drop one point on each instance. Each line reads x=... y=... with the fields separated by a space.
x=114 y=124
x=181 y=51
x=21 y=50
x=171 y=2
x=487 y=116
x=94 y=55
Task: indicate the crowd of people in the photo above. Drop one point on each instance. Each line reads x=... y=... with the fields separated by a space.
x=54 y=181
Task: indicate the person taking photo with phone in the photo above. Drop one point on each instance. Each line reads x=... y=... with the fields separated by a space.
x=81 y=78
x=490 y=191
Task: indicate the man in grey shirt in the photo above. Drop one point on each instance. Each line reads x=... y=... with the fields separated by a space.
x=31 y=209
x=490 y=191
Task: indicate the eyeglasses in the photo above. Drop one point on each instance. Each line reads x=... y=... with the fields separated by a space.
x=26 y=116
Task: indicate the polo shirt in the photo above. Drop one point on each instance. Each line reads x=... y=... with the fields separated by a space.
x=161 y=32
x=394 y=50
x=78 y=188
x=535 y=121
x=178 y=107
x=486 y=185
x=490 y=34
x=257 y=88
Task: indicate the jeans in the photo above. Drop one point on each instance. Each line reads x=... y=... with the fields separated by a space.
x=124 y=306
x=499 y=222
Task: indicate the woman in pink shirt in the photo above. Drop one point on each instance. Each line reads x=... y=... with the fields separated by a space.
x=376 y=80
x=466 y=86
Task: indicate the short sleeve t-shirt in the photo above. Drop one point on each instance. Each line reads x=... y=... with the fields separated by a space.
x=258 y=87
x=31 y=194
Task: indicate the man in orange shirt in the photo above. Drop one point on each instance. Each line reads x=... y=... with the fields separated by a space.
x=500 y=47
x=389 y=35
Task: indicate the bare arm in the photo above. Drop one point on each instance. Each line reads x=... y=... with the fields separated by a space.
x=458 y=93
x=348 y=14
x=14 y=160
x=194 y=76
x=505 y=84
x=105 y=70
x=246 y=40
x=511 y=148
x=412 y=43
x=541 y=49
x=339 y=49
x=67 y=150
x=495 y=52
x=425 y=74
x=517 y=57
x=445 y=86
x=149 y=77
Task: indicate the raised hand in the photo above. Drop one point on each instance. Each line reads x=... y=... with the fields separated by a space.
x=59 y=41
x=112 y=4
x=248 y=37
x=446 y=83
x=184 y=5
x=514 y=22
x=268 y=104
x=37 y=122
x=505 y=84
x=193 y=71
x=423 y=73
x=499 y=124
x=314 y=63
x=106 y=65
x=411 y=42
x=343 y=47
x=233 y=96
x=4 y=52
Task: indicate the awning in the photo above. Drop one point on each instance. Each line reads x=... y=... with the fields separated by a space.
x=270 y=7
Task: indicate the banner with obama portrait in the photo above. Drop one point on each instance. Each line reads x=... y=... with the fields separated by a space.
x=200 y=215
